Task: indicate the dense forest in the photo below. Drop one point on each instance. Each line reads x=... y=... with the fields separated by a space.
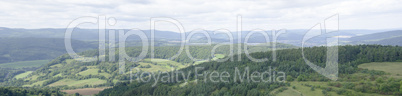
x=17 y=91
x=289 y=61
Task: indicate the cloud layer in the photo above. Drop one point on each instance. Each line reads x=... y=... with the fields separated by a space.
x=209 y=14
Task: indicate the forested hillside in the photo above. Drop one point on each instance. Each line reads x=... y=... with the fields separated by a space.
x=20 y=56
x=26 y=49
x=67 y=73
x=352 y=80
x=17 y=91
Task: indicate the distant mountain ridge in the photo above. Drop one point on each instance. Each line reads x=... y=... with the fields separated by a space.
x=26 y=49
x=292 y=36
x=381 y=38
x=377 y=36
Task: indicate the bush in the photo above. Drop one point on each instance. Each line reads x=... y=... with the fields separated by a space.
x=324 y=92
x=289 y=78
x=340 y=91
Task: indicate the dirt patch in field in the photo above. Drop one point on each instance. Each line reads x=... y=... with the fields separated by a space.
x=85 y=91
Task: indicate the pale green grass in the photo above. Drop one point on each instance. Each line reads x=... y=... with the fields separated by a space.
x=23 y=75
x=89 y=72
x=218 y=56
x=390 y=67
x=289 y=92
x=58 y=75
x=56 y=66
x=153 y=67
x=68 y=61
x=70 y=82
x=39 y=83
x=164 y=61
x=93 y=71
x=115 y=81
x=33 y=77
x=306 y=91
x=199 y=62
x=162 y=65
x=24 y=64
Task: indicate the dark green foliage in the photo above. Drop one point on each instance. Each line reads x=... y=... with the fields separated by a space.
x=400 y=88
x=70 y=70
x=16 y=91
x=289 y=61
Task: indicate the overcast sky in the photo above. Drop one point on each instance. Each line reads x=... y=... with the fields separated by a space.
x=208 y=14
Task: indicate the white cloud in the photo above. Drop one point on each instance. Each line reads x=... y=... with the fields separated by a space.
x=210 y=14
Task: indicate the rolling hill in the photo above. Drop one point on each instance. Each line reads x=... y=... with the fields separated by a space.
x=67 y=73
x=300 y=78
x=27 y=49
x=377 y=36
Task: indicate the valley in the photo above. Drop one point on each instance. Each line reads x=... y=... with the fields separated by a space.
x=364 y=68
x=200 y=48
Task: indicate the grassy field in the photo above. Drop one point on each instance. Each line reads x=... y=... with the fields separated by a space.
x=390 y=67
x=34 y=77
x=302 y=90
x=58 y=75
x=93 y=71
x=306 y=91
x=163 y=61
x=56 y=66
x=24 y=64
x=289 y=92
x=39 y=83
x=85 y=91
x=199 y=62
x=70 y=82
x=218 y=56
x=160 y=65
x=22 y=75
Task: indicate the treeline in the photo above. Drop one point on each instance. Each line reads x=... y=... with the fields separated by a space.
x=18 y=91
x=196 y=51
x=7 y=74
x=289 y=61
x=70 y=68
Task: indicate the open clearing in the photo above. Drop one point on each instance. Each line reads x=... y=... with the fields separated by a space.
x=390 y=67
x=160 y=65
x=289 y=92
x=70 y=82
x=22 y=75
x=218 y=56
x=93 y=71
x=302 y=90
x=24 y=64
x=306 y=91
x=85 y=91
x=39 y=83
